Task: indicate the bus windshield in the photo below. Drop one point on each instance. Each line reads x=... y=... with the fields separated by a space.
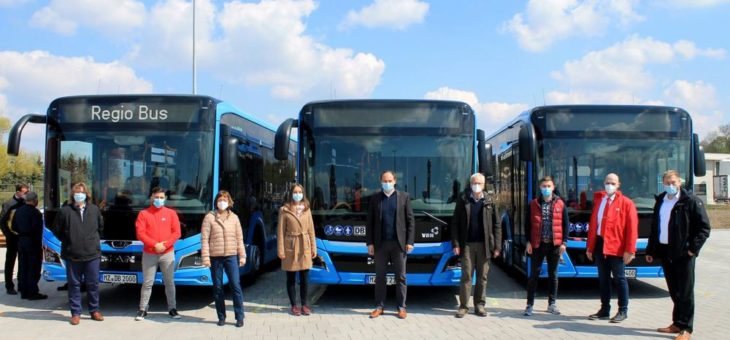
x=579 y=166
x=346 y=170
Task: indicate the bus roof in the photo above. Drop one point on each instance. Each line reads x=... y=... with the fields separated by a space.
x=365 y=102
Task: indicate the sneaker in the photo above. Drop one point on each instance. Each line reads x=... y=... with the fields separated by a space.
x=140 y=315
x=461 y=312
x=553 y=309
x=174 y=314
x=528 y=311
x=620 y=316
x=480 y=311
x=601 y=314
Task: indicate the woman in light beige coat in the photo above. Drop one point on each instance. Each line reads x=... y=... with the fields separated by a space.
x=221 y=239
x=296 y=246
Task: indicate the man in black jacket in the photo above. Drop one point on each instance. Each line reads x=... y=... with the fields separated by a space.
x=11 y=238
x=476 y=236
x=390 y=233
x=79 y=226
x=679 y=229
x=28 y=223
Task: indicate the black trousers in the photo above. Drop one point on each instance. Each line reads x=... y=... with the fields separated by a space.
x=291 y=282
x=29 y=266
x=390 y=251
x=552 y=253
x=11 y=244
x=680 y=276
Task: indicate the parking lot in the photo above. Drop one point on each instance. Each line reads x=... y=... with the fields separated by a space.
x=340 y=312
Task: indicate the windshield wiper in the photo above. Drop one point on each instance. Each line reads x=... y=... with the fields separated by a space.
x=435 y=218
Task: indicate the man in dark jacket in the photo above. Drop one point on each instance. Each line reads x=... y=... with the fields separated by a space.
x=678 y=230
x=28 y=223
x=79 y=226
x=476 y=236
x=11 y=238
x=390 y=232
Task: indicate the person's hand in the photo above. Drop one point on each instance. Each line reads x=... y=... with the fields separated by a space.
x=457 y=251
x=589 y=255
x=160 y=247
x=314 y=255
x=628 y=257
x=562 y=248
x=529 y=248
x=241 y=261
x=371 y=250
x=690 y=253
x=496 y=253
x=206 y=263
x=409 y=248
x=649 y=259
x=282 y=256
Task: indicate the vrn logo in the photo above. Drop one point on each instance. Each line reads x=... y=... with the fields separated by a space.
x=432 y=234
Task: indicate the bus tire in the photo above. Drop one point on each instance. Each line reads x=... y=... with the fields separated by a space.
x=254 y=260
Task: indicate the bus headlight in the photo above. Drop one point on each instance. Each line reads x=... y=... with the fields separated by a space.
x=319 y=262
x=192 y=260
x=453 y=263
x=51 y=256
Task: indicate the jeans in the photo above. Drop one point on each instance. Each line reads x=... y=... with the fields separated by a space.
x=291 y=282
x=229 y=264
x=473 y=256
x=149 y=271
x=88 y=272
x=552 y=253
x=390 y=251
x=608 y=265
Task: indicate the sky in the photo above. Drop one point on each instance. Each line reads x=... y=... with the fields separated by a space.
x=270 y=57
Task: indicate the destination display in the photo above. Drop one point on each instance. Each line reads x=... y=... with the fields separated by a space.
x=130 y=112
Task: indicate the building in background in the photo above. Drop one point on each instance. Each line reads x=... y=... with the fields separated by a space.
x=713 y=187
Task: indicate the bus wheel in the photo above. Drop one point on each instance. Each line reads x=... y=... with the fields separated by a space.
x=254 y=262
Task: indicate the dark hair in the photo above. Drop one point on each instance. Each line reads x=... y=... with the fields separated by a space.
x=19 y=187
x=547 y=179
x=387 y=171
x=290 y=201
x=157 y=190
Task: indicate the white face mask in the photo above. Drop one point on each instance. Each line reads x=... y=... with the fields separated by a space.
x=476 y=188
x=223 y=205
x=610 y=189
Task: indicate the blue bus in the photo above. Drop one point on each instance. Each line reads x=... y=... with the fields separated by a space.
x=122 y=146
x=578 y=145
x=432 y=146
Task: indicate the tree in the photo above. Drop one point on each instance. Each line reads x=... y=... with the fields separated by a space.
x=27 y=167
x=718 y=141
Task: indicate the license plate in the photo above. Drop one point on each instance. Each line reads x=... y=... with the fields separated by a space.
x=119 y=278
x=630 y=273
x=389 y=280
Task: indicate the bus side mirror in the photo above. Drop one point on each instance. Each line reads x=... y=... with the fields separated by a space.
x=484 y=154
x=17 y=130
x=699 y=157
x=528 y=143
x=281 y=141
x=229 y=150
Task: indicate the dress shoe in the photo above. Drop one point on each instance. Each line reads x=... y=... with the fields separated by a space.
x=376 y=313
x=221 y=322
x=75 y=320
x=461 y=312
x=669 y=329
x=38 y=296
x=295 y=311
x=683 y=335
x=239 y=323
x=402 y=314
x=480 y=311
x=306 y=310
x=601 y=314
x=96 y=316
x=12 y=291
x=620 y=316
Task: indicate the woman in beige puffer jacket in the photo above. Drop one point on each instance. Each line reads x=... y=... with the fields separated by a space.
x=296 y=246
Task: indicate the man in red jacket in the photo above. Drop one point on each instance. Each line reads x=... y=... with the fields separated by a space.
x=158 y=227
x=612 y=242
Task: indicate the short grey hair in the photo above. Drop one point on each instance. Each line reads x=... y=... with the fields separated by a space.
x=477 y=176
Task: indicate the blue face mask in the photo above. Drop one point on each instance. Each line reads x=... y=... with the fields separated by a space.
x=671 y=190
x=387 y=187
x=297 y=196
x=158 y=202
x=546 y=191
x=79 y=197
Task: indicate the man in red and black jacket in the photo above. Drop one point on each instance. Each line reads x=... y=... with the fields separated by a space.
x=612 y=234
x=548 y=235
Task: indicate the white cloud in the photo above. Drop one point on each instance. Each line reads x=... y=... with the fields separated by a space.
x=490 y=116
x=695 y=96
x=546 y=22
x=37 y=77
x=394 y=14
x=111 y=17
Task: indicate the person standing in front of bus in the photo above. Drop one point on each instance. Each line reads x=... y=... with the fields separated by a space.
x=612 y=234
x=28 y=222
x=158 y=227
x=296 y=247
x=11 y=238
x=79 y=226
x=678 y=230
x=222 y=250
x=476 y=236
x=390 y=232
x=547 y=239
